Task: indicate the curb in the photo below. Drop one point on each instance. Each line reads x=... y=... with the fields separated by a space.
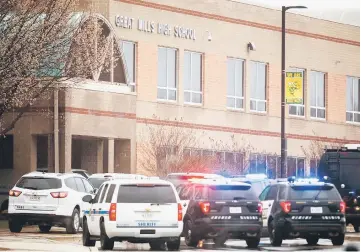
x=352 y=238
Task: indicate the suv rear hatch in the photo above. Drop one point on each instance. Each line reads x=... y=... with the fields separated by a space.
x=36 y=193
x=147 y=206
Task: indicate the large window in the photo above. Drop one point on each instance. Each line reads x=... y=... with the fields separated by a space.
x=298 y=109
x=167 y=79
x=258 y=87
x=129 y=58
x=353 y=99
x=235 y=94
x=192 y=77
x=295 y=166
x=318 y=105
x=6 y=152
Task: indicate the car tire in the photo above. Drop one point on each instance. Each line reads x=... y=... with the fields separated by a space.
x=72 y=227
x=220 y=240
x=174 y=245
x=44 y=228
x=312 y=240
x=275 y=235
x=189 y=239
x=253 y=242
x=157 y=245
x=15 y=226
x=87 y=242
x=356 y=228
x=105 y=242
x=338 y=240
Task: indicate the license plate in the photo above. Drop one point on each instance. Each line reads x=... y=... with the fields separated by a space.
x=316 y=209
x=235 y=209
x=146 y=224
x=35 y=198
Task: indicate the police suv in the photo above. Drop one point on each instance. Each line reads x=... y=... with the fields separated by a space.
x=301 y=208
x=134 y=210
x=48 y=199
x=219 y=209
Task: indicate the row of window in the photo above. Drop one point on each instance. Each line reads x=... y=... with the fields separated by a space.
x=193 y=79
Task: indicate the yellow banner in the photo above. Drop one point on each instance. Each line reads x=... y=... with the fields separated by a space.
x=294 y=87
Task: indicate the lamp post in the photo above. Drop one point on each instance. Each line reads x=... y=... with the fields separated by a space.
x=283 y=88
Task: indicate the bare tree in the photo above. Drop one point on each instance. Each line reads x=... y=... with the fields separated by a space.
x=44 y=43
x=162 y=150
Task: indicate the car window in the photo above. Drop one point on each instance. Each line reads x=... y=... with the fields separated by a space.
x=313 y=193
x=199 y=193
x=70 y=182
x=97 y=196
x=185 y=194
x=88 y=186
x=97 y=182
x=282 y=194
x=39 y=183
x=258 y=187
x=229 y=192
x=263 y=195
x=272 y=194
x=159 y=194
x=80 y=185
x=109 y=197
x=103 y=193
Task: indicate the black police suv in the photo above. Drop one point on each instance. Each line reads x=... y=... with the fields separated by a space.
x=219 y=209
x=303 y=209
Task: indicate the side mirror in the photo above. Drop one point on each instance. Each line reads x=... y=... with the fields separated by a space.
x=342 y=186
x=88 y=198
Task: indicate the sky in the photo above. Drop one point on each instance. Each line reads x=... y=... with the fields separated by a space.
x=341 y=11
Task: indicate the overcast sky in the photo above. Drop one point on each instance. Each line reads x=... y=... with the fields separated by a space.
x=341 y=11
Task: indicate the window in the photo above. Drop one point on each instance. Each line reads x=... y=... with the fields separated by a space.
x=318 y=108
x=264 y=193
x=70 y=182
x=110 y=194
x=96 y=199
x=192 y=77
x=88 y=186
x=298 y=109
x=39 y=183
x=258 y=87
x=167 y=79
x=229 y=192
x=103 y=193
x=353 y=100
x=325 y=192
x=79 y=185
x=272 y=195
x=129 y=58
x=97 y=182
x=313 y=167
x=6 y=152
x=271 y=166
x=295 y=166
x=235 y=95
x=158 y=194
x=257 y=163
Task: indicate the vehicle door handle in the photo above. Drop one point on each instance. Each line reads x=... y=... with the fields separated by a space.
x=184 y=204
x=269 y=205
x=99 y=209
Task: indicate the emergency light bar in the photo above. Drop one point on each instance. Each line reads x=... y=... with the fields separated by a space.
x=256 y=176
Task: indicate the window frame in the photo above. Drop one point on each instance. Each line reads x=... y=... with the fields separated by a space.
x=132 y=83
x=265 y=90
x=167 y=88
x=235 y=97
x=298 y=106
x=353 y=112
x=191 y=92
x=324 y=97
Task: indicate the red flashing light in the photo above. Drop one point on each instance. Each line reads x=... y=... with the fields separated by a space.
x=180 y=212
x=113 y=212
x=286 y=206
x=260 y=208
x=342 y=207
x=205 y=207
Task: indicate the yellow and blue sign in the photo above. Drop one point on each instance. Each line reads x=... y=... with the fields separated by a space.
x=294 y=87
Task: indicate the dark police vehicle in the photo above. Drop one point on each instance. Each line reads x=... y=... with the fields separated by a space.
x=306 y=209
x=342 y=167
x=219 y=209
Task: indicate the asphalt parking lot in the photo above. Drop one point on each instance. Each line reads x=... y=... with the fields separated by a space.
x=30 y=239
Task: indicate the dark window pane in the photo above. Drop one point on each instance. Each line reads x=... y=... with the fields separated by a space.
x=80 y=185
x=226 y=192
x=271 y=166
x=88 y=186
x=160 y=194
x=97 y=196
x=313 y=193
x=97 y=182
x=6 y=152
x=42 y=152
x=39 y=183
x=103 y=193
x=110 y=194
x=300 y=167
x=291 y=166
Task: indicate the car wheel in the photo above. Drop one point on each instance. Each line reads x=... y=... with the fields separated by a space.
x=220 y=240
x=174 y=245
x=44 y=228
x=87 y=242
x=356 y=228
x=105 y=242
x=188 y=237
x=157 y=245
x=15 y=226
x=72 y=227
x=275 y=235
x=312 y=240
x=338 y=240
x=253 y=242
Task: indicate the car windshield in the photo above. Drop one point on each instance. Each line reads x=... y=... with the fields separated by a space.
x=230 y=192
x=313 y=193
x=258 y=187
x=35 y=183
x=158 y=194
x=97 y=182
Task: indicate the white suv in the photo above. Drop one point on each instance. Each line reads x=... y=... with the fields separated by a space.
x=98 y=179
x=137 y=210
x=48 y=199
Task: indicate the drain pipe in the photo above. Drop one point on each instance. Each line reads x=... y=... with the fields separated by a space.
x=56 y=129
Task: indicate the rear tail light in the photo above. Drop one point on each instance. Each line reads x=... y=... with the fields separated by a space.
x=205 y=207
x=180 y=212
x=260 y=208
x=14 y=193
x=113 y=212
x=342 y=207
x=286 y=206
x=59 y=195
